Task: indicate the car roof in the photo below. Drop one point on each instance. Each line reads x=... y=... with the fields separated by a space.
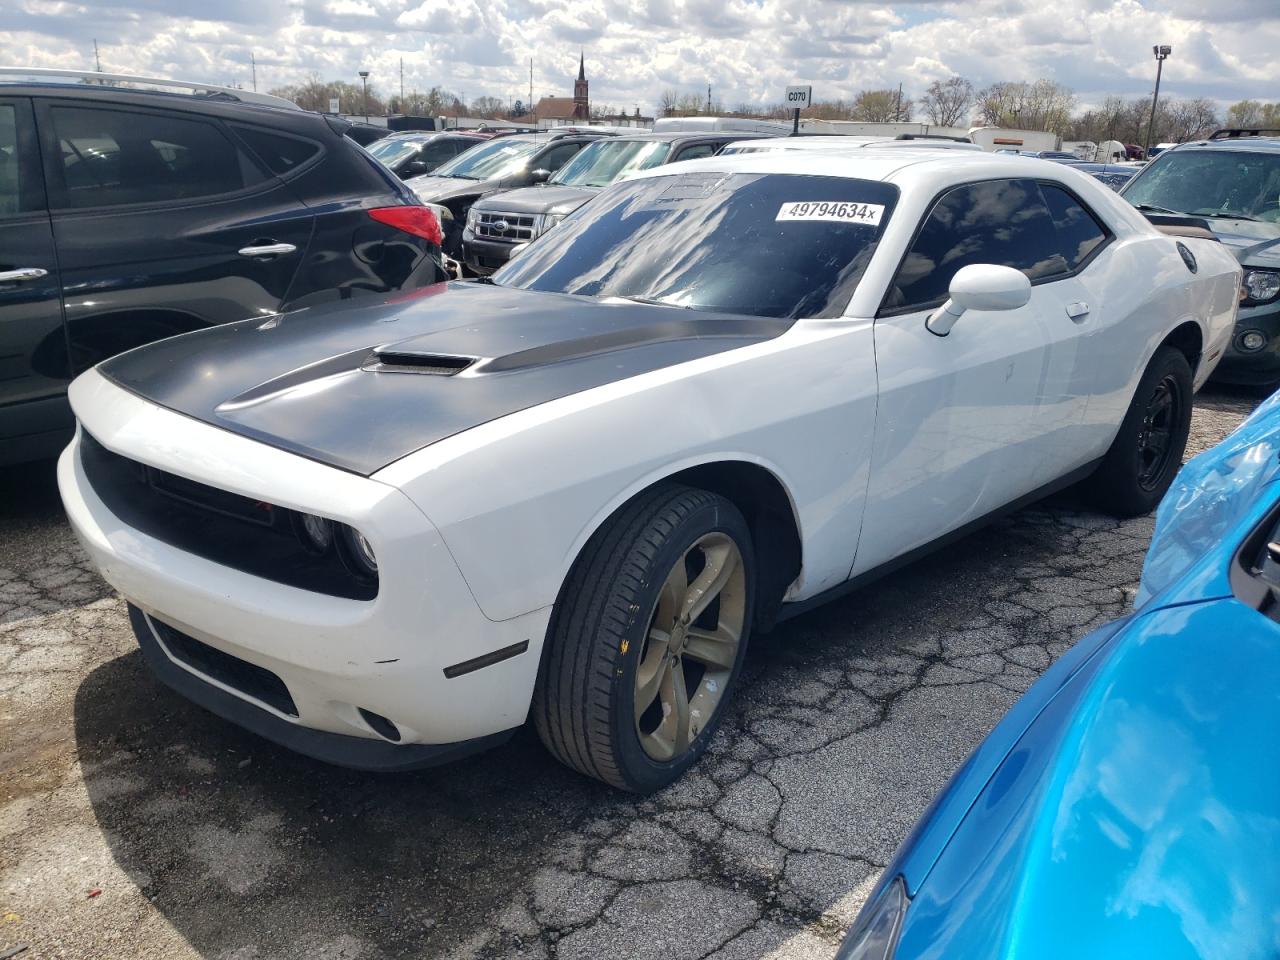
x=219 y=103
x=1250 y=144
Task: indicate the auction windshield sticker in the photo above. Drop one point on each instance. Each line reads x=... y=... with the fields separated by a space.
x=837 y=211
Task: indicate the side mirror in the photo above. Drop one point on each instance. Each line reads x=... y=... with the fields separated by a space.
x=980 y=286
x=415 y=167
x=518 y=249
x=541 y=175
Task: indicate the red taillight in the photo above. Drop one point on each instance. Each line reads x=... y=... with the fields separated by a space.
x=418 y=221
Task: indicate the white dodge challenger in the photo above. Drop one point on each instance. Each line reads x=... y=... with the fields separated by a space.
x=387 y=532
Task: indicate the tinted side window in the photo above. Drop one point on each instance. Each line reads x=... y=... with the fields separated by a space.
x=438 y=151
x=1003 y=222
x=280 y=153
x=10 y=184
x=1078 y=231
x=556 y=157
x=114 y=157
x=698 y=150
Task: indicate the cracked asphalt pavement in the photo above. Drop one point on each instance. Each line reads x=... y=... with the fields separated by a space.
x=133 y=824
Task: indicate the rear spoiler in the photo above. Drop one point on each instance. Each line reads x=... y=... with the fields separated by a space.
x=1180 y=226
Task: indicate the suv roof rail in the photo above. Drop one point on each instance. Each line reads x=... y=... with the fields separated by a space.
x=933 y=136
x=1232 y=133
x=91 y=77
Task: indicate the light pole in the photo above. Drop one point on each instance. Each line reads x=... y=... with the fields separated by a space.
x=1161 y=51
x=364 y=81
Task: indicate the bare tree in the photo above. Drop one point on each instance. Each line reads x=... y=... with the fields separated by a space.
x=315 y=94
x=880 y=106
x=1042 y=105
x=487 y=107
x=947 y=102
x=1183 y=120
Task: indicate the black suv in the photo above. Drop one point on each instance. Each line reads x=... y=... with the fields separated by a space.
x=413 y=154
x=503 y=163
x=129 y=215
x=1231 y=182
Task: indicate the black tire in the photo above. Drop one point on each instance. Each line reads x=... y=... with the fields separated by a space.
x=584 y=701
x=1133 y=477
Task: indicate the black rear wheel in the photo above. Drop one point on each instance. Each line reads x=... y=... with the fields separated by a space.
x=1147 y=451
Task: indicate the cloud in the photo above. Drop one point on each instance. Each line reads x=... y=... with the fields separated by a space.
x=747 y=50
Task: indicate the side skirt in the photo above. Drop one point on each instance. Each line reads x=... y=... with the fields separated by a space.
x=798 y=607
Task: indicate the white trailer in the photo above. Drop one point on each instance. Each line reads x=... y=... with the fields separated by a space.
x=716 y=124
x=858 y=128
x=1014 y=141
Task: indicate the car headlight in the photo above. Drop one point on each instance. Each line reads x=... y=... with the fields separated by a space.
x=357 y=553
x=874 y=935
x=548 y=221
x=1260 y=286
x=318 y=535
x=315 y=533
x=473 y=217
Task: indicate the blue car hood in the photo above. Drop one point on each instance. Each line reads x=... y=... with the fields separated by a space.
x=1139 y=816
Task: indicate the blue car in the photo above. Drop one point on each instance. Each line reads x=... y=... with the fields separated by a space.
x=1128 y=805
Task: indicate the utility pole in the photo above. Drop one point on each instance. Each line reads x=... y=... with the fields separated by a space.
x=253 y=63
x=532 y=112
x=1161 y=51
x=708 y=99
x=897 y=111
x=402 y=110
x=364 y=81
x=97 y=61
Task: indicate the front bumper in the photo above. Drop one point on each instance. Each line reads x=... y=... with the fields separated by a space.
x=1257 y=367
x=337 y=657
x=484 y=257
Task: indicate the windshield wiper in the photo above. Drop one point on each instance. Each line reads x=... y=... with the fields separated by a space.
x=1154 y=209
x=654 y=303
x=1231 y=216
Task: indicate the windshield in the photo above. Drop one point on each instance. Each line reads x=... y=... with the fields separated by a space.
x=497 y=158
x=1241 y=186
x=391 y=151
x=605 y=161
x=769 y=245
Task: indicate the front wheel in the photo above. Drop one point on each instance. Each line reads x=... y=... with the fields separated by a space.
x=1148 y=448
x=647 y=639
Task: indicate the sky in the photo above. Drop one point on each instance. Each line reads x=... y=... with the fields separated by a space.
x=748 y=50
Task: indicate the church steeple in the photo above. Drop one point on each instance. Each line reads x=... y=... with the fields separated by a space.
x=581 y=101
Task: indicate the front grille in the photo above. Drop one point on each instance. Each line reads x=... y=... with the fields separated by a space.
x=240 y=532
x=255 y=682
x=507 y=227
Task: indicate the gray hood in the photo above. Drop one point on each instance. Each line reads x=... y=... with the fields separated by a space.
x=553 y=199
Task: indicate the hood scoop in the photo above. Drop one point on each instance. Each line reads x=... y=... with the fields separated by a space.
x=390 y=360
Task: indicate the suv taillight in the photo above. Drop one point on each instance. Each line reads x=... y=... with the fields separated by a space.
x=418 y=221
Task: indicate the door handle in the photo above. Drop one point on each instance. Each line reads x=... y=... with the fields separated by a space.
x=266 y=249
x=1078 y=310
x=21 y=274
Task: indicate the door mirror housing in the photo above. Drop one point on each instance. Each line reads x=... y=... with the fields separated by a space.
x=541 y=175
x=980 y=286
x=415 y=167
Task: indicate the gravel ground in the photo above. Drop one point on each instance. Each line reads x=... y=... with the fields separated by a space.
x=134 y=825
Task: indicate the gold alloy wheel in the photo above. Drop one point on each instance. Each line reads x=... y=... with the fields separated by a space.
x=690 y=647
